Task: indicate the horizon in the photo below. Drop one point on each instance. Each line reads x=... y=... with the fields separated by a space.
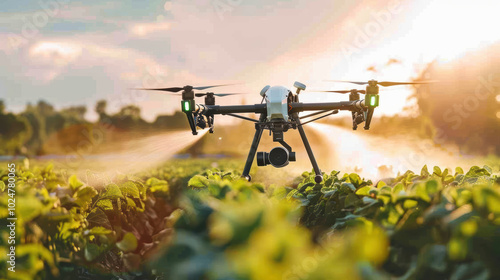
x=81 y=53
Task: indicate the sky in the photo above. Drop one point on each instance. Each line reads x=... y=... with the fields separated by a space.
x=78 y=52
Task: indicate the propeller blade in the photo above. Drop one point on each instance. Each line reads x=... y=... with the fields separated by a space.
x=357 y=83
x=227 y=94
x=172 y=89
x=207 y=87
x=336 y=91
x=386 y=84
x=177 y=89
x=217 y=94
x=343 y=91
x=390 y=84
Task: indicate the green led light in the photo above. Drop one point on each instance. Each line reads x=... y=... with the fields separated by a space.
x=372 y=100
x=187 y=106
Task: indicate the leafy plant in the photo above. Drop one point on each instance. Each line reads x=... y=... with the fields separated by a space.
x=438 y=223
x=64 y=224
x=182 y=221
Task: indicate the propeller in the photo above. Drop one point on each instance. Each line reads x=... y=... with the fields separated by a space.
x=386 y=84
x=362 y=91
x=177 y=89
x=216 y=94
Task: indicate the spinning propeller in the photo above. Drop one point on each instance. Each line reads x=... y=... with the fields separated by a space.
x=385 y=84
x=188 y=93
x=362 y=91
x=216 y=94
x=188 y=104
x=371 y=84
x=371 y=98
x=185 y=88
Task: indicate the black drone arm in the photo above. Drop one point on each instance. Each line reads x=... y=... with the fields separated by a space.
x=196 y=118
x=294 y=107
x=200 y=115
x=225 y=110
x=329 y=106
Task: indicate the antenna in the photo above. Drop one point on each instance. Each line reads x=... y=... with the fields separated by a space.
x=299 y=86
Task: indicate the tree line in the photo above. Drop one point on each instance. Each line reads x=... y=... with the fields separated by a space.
x=25 y=133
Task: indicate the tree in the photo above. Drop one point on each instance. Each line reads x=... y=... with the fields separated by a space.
x=44 y=108
x=175 y=121
x=100 y=107
x=76 y=113
x=14 y=132
x=130 y=111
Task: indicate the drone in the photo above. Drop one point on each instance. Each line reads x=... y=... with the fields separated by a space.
x=279 y=112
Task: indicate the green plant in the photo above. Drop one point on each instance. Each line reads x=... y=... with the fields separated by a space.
x=184 y=221
x=439 y=223
x=64 y=224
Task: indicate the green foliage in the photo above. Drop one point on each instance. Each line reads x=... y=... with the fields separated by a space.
x=438 y=224
x=181 y=221
x=64 y=224
x=14 y=132
x=232 y=229
x=128 y=243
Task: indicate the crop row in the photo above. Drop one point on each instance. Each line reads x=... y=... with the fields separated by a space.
x=184 y=221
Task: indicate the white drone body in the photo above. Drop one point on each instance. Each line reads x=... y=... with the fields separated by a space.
x=277 y=101
x=277 y=105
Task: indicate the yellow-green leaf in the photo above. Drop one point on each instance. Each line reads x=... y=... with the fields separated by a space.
x=128 y=243
x=459 y=170
x=363 y=191
x=74 y=183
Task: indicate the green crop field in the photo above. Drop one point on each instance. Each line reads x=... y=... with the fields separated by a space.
x=250 y=140
x=189 y=220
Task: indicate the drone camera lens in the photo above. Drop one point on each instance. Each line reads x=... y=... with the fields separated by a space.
x=279 y=157
x=262 y=159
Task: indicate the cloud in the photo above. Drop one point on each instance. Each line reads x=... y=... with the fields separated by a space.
x=49 y=59
x=58 y=53
x=191 y=45
x=70 y=71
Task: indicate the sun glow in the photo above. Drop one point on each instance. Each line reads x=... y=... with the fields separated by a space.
x=451 y=28
x=423 y=32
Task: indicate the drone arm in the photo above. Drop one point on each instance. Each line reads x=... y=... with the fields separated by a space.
x=328 y=106
x=225 y=110
x=295 y=107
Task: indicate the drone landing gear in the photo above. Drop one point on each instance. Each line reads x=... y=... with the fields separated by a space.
x=319 y=176
x=192 y=123
x=255 y=144
x=210 y=121
x=253 y=149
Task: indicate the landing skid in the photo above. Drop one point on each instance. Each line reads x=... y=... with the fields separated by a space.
x=255 y=145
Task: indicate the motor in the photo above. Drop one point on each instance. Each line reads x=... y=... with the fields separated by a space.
x=277 y=157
